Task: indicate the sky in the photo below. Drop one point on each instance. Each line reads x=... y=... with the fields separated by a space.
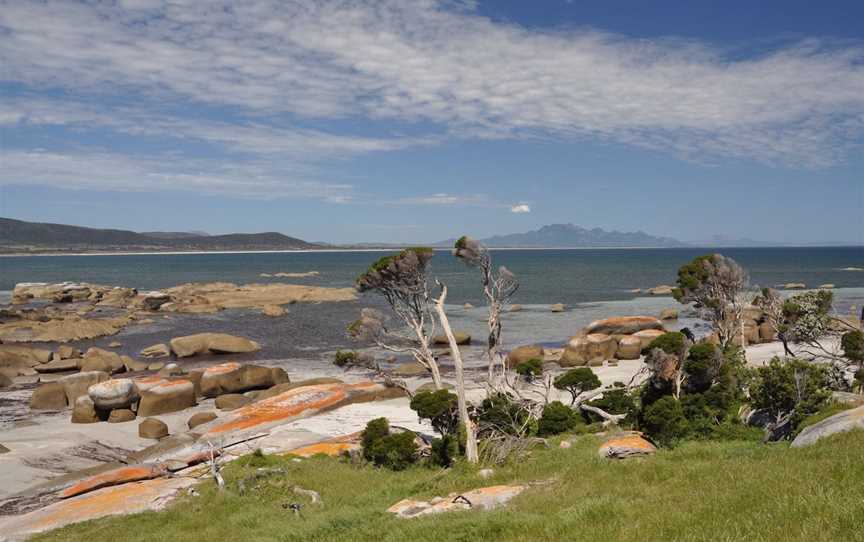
x=420 y=120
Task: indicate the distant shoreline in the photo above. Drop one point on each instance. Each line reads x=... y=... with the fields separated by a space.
x=390 y=249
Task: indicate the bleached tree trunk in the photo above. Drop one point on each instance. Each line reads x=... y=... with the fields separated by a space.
x=471 y=453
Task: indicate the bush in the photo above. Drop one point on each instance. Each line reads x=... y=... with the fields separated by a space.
x=444 y=451
x=395 y=451
x=665 y=422
x=853 y=346
x=671 y=343
x=529 y=369
x=344 y=358
x=577 y=381
x=734 y=430
x=500 y=413
x=702 y=364
x=440 y=407
x=790 y=386
x=556 y=418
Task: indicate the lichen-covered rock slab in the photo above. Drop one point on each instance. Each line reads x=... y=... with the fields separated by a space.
x=484 y=498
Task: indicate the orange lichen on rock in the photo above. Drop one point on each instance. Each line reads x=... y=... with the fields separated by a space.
x=283 y=406
x=626 y=446
x=298 y=402
x=124 y=499
x=332 y=447
x=222 y=368
x=484 y=498
x=115 y=477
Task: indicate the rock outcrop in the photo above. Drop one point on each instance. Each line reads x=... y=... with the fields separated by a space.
x=166 y=396
x=484 y=498
x=153 y=429
x=524 y=353
x=462 y=338
x=156 y=351
x=216 y=343
x=838 y=423
x=113 y=394
x=594 y=347
x=76 y=385
x=234 y=377
x=623 y=325
x=622 y=447
x=97 y=359
x=48 y=396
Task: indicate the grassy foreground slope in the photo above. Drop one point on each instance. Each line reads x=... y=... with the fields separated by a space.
x=700 y=491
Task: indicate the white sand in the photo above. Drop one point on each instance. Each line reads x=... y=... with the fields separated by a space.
x=48 y=434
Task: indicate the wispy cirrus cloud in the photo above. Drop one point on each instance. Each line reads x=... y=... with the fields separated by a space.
x=435 y=66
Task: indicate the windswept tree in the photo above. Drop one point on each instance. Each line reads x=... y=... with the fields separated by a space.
x=402 y=280
x=498 y=288
x=771 y=303
x=808 y=322
x=716 y=285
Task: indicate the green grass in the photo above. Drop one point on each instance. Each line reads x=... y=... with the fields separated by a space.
x=718 y=491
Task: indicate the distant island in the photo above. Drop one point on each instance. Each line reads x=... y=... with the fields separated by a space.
x=572 y=236
x=20 y=237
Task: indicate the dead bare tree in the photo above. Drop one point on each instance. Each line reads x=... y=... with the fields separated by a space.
x=402 y=280
x=214 y=468
x=498 y=288
x=471 y=435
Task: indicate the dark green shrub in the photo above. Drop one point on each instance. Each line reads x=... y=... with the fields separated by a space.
x=735 y=430
x=500 y=413
x=665 y=422
x=790 y=386
x=444 y=451
x=702 y=364
x=671 y=343
x=853 y=346
x=440 y=407
x=652 y=390
x=395 y=451
x=530 y=369
x=375 y=430
x=344 y=358
x=577 y=381
x=556 y=418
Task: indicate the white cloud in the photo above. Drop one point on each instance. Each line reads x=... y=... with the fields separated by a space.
x=110 y=171
x=265 y=62
x=249 y=136
x=520 y=208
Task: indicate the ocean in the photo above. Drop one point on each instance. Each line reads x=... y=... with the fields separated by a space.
x=592 y=283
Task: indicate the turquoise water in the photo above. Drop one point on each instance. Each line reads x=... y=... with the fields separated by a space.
x=546 y=276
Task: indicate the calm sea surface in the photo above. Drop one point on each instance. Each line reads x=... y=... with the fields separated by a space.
x=592 y=283
x=546 y=276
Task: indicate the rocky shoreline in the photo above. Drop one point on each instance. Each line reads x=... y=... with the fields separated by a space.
x=122 y=427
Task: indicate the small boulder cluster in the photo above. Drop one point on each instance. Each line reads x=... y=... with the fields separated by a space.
x=95 y=396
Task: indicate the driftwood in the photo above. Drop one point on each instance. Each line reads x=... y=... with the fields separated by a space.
x=608 y=419
x=214 y=468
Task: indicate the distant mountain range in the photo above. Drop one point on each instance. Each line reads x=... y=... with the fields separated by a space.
x=572 y=236
x=18 y=236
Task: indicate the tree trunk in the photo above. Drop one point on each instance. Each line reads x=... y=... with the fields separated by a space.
x=471 y=453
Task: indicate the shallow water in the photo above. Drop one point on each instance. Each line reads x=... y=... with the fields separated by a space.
x=546 y=276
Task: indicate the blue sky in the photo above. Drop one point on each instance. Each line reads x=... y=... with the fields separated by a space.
x=419 y=120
